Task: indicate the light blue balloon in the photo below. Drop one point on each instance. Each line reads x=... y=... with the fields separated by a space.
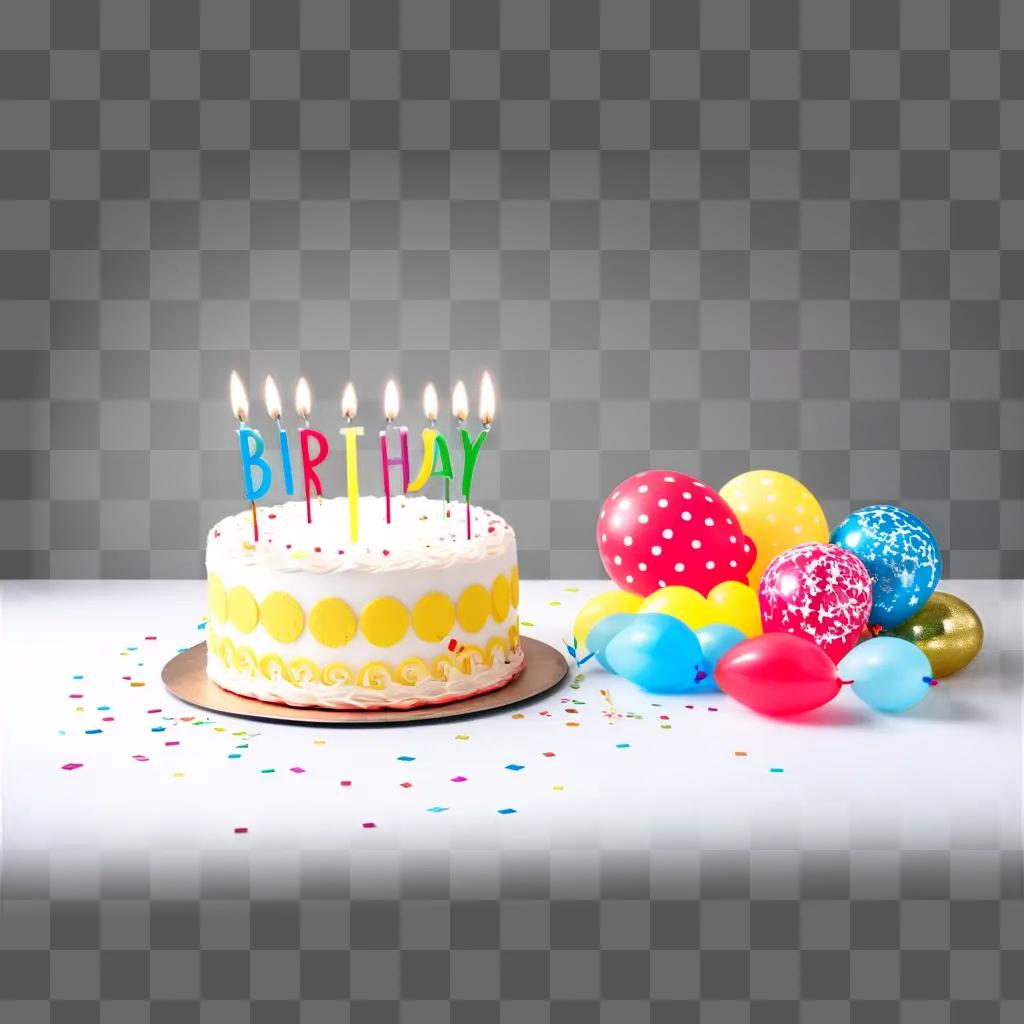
x=602 y=632
x=901 y=555
x=660 y=654
x=889 y=674
x=714 y=641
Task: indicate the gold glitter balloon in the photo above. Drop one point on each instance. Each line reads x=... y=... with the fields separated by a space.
x=947 y=629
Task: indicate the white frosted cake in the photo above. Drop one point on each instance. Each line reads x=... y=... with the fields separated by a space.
x=414 y=613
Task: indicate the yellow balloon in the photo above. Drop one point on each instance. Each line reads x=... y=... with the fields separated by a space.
x=777 y=512
x=737 y=605
x=684 y=603
x=600 y=606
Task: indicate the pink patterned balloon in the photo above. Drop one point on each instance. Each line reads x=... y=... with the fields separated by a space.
x=819 y=590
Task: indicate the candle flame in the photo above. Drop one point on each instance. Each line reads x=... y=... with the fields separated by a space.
x=430 y=403
x=303 y=399
x=460 y=402
x=487 y=401
x=391 y=401
x=272 y=398
x=239 y=399
x=349 y=405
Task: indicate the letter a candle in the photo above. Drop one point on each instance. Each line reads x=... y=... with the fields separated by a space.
x=251 y=448
x=437 y=459
x=303 y=406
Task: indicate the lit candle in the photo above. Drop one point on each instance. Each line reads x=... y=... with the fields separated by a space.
x=349 y=406
x=386 y=460
x=471 y=448
x=273 y=402
x=303 y=406
x=437 y=459
x=251 y=448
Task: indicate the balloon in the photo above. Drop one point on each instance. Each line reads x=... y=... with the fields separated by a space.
x=599 y=607
x=777 y=511
x=715 y=640
x=685 y=604
x=948 y=630
x=730 y=602
x=736 y=604
x=603 y=632
x=820 y=591
x=661 y=528
x=659 y=654
x=901 y=554
x=778 y=674
x=888 y=674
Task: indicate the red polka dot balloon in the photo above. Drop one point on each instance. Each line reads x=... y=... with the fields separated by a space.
x=661 y=528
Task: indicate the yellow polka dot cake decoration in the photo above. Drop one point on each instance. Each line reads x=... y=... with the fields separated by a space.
x=412 y=614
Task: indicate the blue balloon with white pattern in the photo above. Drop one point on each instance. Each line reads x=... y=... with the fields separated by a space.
x=901 y=555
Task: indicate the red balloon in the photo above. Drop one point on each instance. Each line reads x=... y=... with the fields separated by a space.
x=661 y=528
x=819 y=590
x=778 y=674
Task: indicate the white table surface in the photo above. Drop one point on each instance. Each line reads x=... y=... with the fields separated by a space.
x=946 y=772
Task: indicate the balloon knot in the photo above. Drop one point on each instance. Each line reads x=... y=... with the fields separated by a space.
x=876 y=629
x=700 y=675
x=930 y=681
x=845 y=682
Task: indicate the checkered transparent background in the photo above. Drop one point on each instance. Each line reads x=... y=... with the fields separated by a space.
x=699 y=236
x=702 y=235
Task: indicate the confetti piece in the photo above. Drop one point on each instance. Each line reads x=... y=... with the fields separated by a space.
x=159 y=728
x=345 y=782
x=406 y=785
x=267 y=771
x=78 y=677
x=319 y=743
x=570 y=590
x=712 y=709
x=241 y=830
x=155 y=711
x=507 y=810
x=179 y=775
x=139 y=757
x=523 y=622
x=548 y=753
x=71 y=766
x=740 y=753
x=558 y=788
x=461 y=737
x=436 y=810
x=406 y=757
x=776 y=770
x=107 y=719
x=149 y=638
x=298 y=771
x=514 y=767
x=76 y=696
x=555 y=604
x=232 y=757
x=369 y=824
x=519 y=714
x=92 y=732
x=459 y=778
x=136 y=683
x=572 y=723
x=665 y=725
x=621 y=746
x=173 y=743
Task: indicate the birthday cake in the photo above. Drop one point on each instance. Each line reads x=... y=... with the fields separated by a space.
x=415 y=613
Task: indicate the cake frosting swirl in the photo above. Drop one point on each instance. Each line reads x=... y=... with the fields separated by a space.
x=412 y=613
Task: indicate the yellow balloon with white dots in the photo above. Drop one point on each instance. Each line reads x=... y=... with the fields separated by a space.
x=777 y=512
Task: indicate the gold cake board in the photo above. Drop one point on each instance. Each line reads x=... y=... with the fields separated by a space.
x=185 y=676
